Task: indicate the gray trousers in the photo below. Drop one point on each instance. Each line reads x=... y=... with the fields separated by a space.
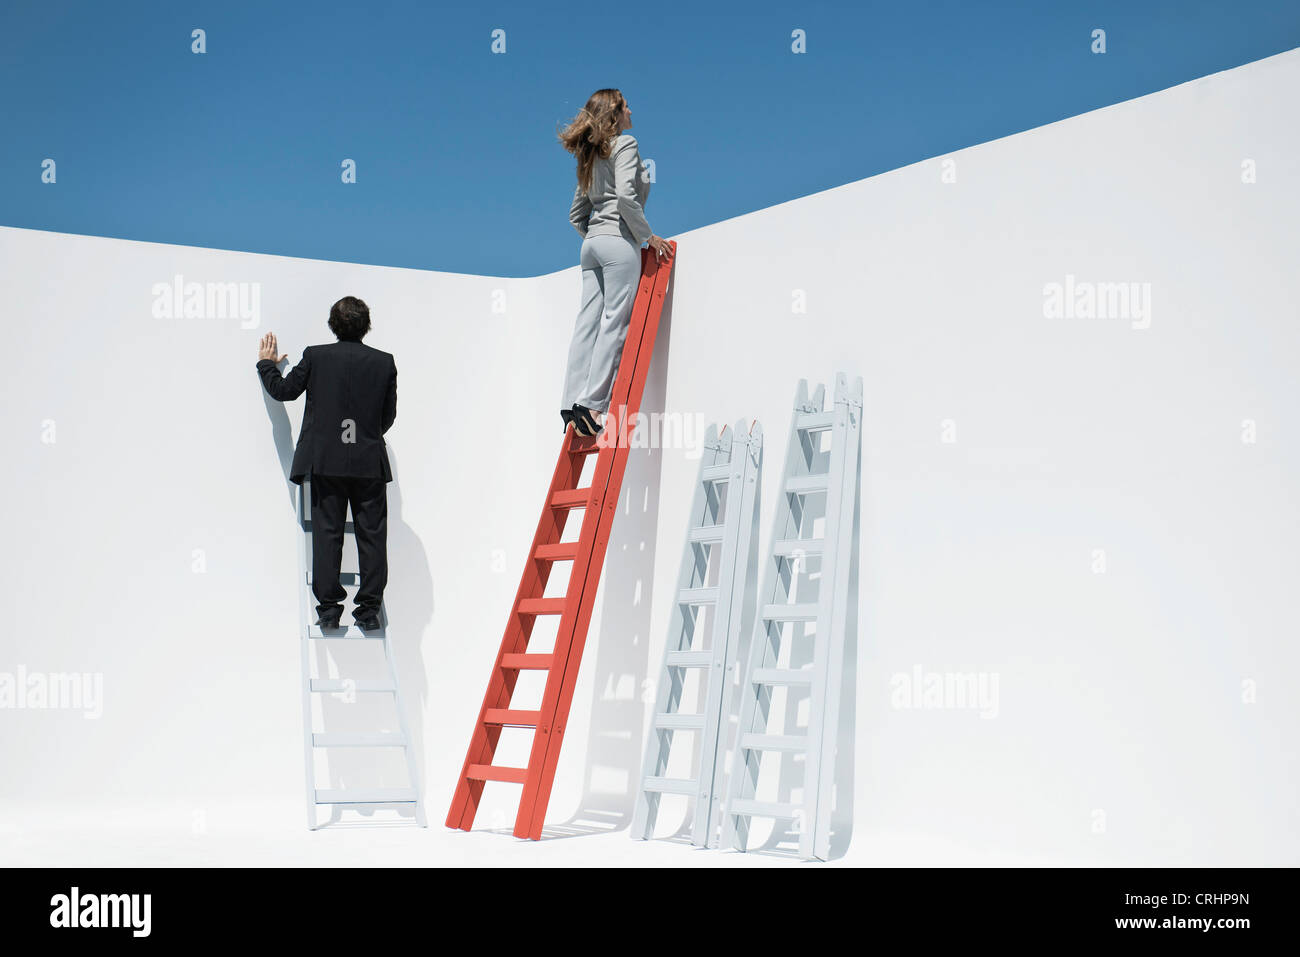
x=611 y=270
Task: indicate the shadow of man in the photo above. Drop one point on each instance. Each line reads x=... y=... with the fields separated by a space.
x=412 y=609
x=282 y=436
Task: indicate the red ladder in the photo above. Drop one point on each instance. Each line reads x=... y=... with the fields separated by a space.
x=599 y=501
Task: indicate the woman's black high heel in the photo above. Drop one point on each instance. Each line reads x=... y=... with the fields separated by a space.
x=567 y=416
x=583 y=421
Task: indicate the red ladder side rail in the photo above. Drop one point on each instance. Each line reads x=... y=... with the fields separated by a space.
x=625 y=402
x=563 y=495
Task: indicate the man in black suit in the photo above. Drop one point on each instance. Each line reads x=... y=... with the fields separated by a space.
x=351 y=403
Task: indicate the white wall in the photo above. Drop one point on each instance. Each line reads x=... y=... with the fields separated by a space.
x=1118 y=693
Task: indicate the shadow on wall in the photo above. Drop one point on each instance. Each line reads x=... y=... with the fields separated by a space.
x=414 y=617
x=282 y=436
x=846 y=753
x=410 y=616
x=613 y=760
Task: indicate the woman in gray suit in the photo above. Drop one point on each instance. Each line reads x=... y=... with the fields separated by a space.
x=609 y=211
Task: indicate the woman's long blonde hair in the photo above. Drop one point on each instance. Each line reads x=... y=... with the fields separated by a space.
x=591 y=133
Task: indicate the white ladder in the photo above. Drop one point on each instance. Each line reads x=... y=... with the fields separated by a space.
x=339 y=798
x=718 y=561
x=780 y=649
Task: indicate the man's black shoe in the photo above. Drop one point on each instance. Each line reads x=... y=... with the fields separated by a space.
x=366 y=622
x=330 y=621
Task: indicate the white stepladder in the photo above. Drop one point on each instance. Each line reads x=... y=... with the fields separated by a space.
x=310 y=632
x=718 y=561
x=782 y=662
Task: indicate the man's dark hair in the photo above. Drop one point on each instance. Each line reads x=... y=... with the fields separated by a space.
x=350 y=319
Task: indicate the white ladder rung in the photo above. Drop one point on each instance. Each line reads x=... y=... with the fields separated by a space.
x=377 y=739
x=763 y=809
x=697 y=596
x=782 y=676
x=807 y=484
x=351 y=631
x=689 y=659
x=716 y=473
x=798 y=546
x=680 y=722
x=814 y=421
x=669 y=785
x=366 y=796
x=774 y=742
x=806 y=611
x=706 y=534
x=335 y=685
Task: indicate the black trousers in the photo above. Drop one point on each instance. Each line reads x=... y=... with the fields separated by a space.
x=330 y=498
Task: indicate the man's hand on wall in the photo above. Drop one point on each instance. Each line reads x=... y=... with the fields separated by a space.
x=268 y=349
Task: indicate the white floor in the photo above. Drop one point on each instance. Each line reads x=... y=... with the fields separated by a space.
x=275 y=835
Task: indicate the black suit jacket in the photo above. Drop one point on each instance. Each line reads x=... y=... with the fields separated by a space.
x=351 y=402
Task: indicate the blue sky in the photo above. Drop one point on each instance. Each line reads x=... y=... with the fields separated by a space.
x=458 y=166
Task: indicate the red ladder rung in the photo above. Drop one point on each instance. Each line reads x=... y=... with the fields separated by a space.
x=542 y=606
x=571 y=498
x=557 y=551
x=518 y=719
x=526 y=662
x=489 y=772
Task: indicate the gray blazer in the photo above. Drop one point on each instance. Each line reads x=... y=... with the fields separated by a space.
x=615 y=204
